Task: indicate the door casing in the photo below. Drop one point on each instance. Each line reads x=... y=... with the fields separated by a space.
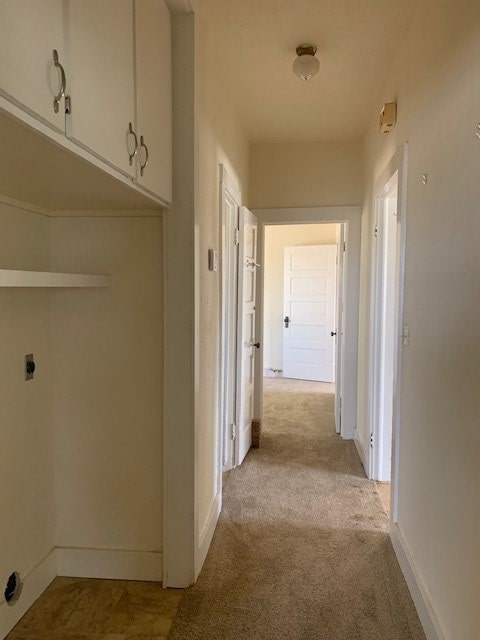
x=396 y=171
x=350 y=216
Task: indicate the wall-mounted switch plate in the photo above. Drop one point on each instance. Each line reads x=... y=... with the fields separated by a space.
x=29 y=366
x=212 y=260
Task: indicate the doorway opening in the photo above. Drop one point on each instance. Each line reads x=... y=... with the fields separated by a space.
x=303 y=307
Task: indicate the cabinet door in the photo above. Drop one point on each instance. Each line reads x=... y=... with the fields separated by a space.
x=29 y=32
x=154 y=95
x=99 y=42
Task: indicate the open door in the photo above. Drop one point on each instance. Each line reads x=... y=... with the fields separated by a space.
x=339 y=330
x=247 y=344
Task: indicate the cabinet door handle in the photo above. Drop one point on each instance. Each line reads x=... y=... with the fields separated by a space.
x=142 y=166
x=132 y=155
x=63 y=82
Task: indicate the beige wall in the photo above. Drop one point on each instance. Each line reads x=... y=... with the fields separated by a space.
x=26 y=451
x=306 y=175
x=436 y=82
x=107 y=384
x=220 y=139
x=277 y=237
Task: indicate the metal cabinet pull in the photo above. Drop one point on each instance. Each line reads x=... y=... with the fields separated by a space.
x=63 y=83
x=132 y=155
x=142 y=166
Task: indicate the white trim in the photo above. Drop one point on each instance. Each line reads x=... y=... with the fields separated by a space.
x=359 y=445
x=26 y=206
x=34 y=584
x=230 y=184
x=17 y=278
x=206 y=535
x=383 y=326
x=109 y=564
x=398 y=164
x=420 y=596
x=94 y=213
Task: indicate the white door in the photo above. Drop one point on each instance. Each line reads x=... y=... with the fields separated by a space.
x=154 y=96
x=309 y=313
x=101 y=79
x=385 y=291
x=30 y=30
x=228 y=390
x=339 y=330
x=247 y=344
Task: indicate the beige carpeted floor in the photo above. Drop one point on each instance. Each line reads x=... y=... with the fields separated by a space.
x=301 y=551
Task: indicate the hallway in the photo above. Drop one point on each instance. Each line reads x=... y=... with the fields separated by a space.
x=302 y=549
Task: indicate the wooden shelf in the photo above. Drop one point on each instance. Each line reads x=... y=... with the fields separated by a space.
x=15 y=278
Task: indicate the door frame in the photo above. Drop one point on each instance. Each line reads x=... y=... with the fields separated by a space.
x=228 y=290
x=351 y=217
x=396 y=167
x=340 y=325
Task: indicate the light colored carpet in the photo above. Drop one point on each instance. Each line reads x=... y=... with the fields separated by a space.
x=301 y=551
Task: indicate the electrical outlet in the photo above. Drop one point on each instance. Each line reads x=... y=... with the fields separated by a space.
x=29 y=366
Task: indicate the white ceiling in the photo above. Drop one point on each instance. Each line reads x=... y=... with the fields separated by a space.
x=251 y=44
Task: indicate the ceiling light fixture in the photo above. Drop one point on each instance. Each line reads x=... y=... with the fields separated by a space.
x=306 y=65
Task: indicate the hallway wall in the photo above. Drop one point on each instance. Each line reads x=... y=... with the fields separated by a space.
x=315 y=174
x=277 y=237
x=436 y=82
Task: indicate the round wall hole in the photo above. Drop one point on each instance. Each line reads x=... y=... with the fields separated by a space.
x=13 y=588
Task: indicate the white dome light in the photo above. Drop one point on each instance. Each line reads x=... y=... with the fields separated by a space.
x=306 y=65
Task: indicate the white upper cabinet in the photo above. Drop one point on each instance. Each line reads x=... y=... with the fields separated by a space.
x=100 y=61
x=154 y=96
x=30 y=30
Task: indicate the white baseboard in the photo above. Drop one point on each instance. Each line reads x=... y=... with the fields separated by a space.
x=206 y=534
x=109 y=564
x=416 y=586
x=34 y=584
x=361 y=450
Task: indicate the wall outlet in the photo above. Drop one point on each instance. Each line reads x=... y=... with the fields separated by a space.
x=29 y=366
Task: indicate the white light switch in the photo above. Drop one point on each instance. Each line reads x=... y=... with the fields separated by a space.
x=212 y=260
